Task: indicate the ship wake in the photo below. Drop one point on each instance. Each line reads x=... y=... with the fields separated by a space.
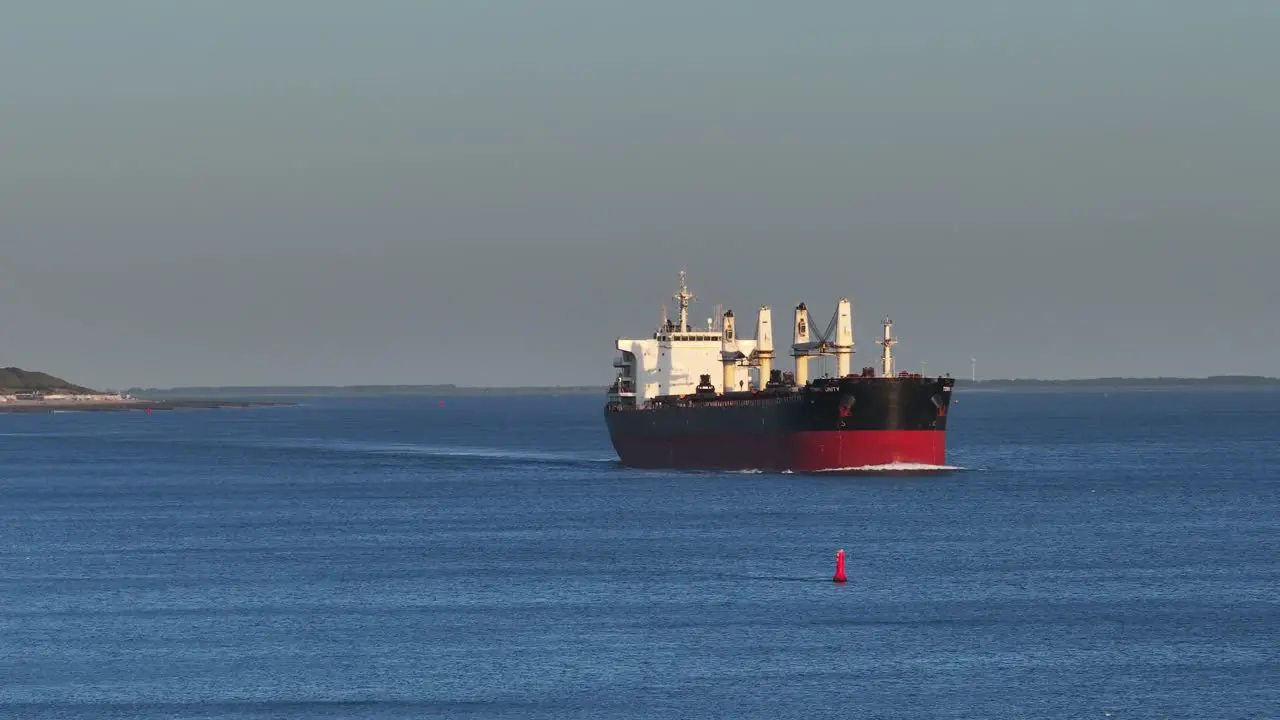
x=478 y=454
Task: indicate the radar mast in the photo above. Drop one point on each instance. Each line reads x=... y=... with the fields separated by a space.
x=684 y=296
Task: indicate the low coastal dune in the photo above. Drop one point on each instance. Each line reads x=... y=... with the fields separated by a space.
x=23 y=391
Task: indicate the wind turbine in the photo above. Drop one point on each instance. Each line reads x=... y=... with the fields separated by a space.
x=973 y=369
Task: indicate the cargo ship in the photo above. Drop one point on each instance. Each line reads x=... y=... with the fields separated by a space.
x=704 y=398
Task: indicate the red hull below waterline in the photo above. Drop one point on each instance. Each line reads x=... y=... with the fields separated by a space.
x=800 y=451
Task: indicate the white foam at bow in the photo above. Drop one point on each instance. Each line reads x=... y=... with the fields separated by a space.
x=895 y=467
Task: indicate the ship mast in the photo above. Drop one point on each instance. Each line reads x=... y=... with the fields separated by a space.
x=684 y=296
x=886 y=355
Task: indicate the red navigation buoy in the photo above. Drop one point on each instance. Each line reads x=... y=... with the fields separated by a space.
x=839 y=567
x=148 y=411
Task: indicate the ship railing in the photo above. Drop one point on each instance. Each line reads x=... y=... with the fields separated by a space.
x=690 y=402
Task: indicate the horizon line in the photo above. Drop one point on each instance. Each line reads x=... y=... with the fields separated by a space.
x=455 y=386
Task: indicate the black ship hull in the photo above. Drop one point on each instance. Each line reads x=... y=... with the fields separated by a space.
x=830 y=424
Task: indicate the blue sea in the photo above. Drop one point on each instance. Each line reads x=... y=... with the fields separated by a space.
x=1095 y=555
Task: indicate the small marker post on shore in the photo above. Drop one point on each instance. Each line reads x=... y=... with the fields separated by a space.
x=839 y=577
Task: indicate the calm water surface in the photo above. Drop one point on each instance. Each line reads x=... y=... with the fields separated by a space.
x=1099 y=555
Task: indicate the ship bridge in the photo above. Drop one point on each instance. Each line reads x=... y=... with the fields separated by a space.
x=672 y=359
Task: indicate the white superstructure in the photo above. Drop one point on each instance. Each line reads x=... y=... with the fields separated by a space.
x=673 y=359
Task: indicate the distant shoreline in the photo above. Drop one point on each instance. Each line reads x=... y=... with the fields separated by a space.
x=1220 y=382
x=51 y=406
x=1225 y=382
x=342 y=391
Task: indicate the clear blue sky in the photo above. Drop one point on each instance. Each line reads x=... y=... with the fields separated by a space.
x=312 y=191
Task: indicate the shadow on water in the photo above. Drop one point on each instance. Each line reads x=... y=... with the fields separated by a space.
x=779 y=578
x=837 y=474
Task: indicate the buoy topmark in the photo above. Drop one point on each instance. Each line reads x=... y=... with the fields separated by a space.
x=839 y=577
